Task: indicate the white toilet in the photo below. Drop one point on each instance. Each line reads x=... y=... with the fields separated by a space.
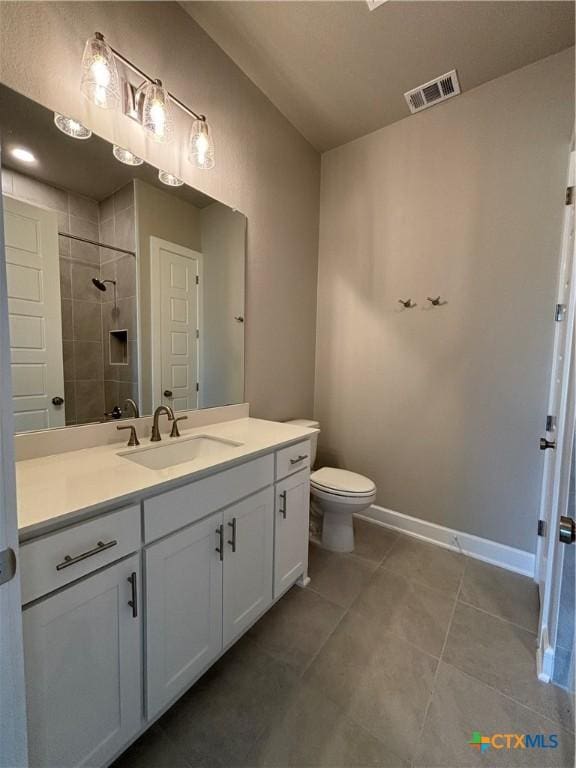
x=337 y=494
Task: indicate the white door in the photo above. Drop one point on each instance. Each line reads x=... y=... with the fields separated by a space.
x=291 y=522
x=12 y=693
x=248 y=557
x=184 y=609
x=33 y=273
x=175 y=315
x=557 y=446
x=83 y=670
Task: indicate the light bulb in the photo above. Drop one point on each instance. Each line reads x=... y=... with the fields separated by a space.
x=71 y=127
x=156 y=112
x=125 y=156
x=100 y=83
x=24 y=155
x=169 y=179
x=201 y=146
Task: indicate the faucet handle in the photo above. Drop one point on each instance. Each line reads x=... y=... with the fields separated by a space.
x=133 y=436
x=175 y=432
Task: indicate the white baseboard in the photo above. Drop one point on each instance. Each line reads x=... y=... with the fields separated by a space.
x=512 y=559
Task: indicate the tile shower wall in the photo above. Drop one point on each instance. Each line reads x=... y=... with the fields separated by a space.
x=117 y=227
x=91 y=384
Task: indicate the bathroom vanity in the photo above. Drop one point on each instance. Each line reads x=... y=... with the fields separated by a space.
x=136 y=579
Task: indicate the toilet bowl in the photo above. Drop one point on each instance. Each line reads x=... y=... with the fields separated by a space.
x=337 y=494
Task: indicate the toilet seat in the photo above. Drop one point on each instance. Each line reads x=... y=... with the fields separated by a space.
x=331 y=482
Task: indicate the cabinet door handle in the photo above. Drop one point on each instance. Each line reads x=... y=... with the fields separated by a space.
x=134 y=602
x=298 y=459
x=232 y=541
x=284 y=504
x=100 y=547
x=220 y=548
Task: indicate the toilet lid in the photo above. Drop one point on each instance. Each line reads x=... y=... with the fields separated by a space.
x=342 y=482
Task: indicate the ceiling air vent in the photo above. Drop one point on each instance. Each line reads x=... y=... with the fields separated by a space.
x=437 y=90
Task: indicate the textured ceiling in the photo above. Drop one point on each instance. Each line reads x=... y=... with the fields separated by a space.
x=338 y=71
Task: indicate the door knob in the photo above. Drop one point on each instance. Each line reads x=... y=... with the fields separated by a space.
x=58 y=400
x=167 y=393
x=544 y=444
x=567 y=532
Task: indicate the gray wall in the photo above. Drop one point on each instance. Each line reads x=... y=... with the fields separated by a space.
x=264 y=167
x=443 y=407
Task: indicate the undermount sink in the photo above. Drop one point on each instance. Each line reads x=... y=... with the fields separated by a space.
x=181 y=450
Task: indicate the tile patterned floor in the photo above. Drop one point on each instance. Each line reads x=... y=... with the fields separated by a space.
x=392 y=656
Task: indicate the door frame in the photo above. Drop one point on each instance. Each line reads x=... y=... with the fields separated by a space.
x=156 y=243
x=13 y=734
x=557 y=462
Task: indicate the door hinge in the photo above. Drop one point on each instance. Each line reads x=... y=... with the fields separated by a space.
x=197 y=279
x=550 y=423
x=541 y=527
x=569 y=195
x=197 y=333
x=560 y=312
x=7 y=565
x=197 y=387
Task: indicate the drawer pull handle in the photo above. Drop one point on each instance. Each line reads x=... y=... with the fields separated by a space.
x=220 y=534
x=100 y=547
x=134 y=602
x=283 y=507
x=232 y=541
x=298 y=459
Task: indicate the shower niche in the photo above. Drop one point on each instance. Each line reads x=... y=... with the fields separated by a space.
x=118 y=347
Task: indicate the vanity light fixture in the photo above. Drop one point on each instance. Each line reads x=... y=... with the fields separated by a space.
x=169 y=179
x=71 y=127
x=201 y=146
x=125 y=156
x=100 y=83
x=149 y=104
x=24 y=155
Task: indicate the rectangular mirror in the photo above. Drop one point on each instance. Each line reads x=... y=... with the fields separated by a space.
x=124 y=292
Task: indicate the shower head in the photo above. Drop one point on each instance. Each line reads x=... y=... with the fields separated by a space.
x=101 y=284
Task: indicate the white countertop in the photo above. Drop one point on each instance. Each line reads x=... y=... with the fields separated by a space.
x=62 y=488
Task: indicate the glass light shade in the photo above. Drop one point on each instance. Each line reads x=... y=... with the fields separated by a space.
x=100 y=83
x=157 y=112
x=201 y=146
x=169 y=179
x=71 y=127
x=125 y=156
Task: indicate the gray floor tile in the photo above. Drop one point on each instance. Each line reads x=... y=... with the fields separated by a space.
x=222 y=716
x=296 y=627
x=338 y=578
x=152 y=750
x=503 y=655
x=431 y=565
x=407 y=608
x=372 y=542
x=461 y=705
x=505 y=594
x=313 y=731
x=377 y=679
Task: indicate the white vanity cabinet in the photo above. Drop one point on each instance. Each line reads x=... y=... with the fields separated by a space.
x=83 y=657
x=291 y=530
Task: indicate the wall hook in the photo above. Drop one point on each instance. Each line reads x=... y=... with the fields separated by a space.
x=436 y=302
x=407 y=304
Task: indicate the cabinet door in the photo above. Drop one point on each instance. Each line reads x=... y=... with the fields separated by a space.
x=83 y=654
x=291 y=531
x=248 y=557
x=183 y=609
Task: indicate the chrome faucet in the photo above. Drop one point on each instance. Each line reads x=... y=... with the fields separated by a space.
x=156 y=436
x=132 y=404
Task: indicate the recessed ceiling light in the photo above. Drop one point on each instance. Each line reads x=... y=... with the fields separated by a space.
x=169 y=179
x=373 y=4
x=24 y=155
x=71 y=127
x=125 y=156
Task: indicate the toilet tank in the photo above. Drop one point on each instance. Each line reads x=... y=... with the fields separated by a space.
x=313 y=438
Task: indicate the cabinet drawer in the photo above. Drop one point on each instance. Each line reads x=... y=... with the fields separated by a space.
x=55 y=560
x=292 y=459
x=176 y=509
